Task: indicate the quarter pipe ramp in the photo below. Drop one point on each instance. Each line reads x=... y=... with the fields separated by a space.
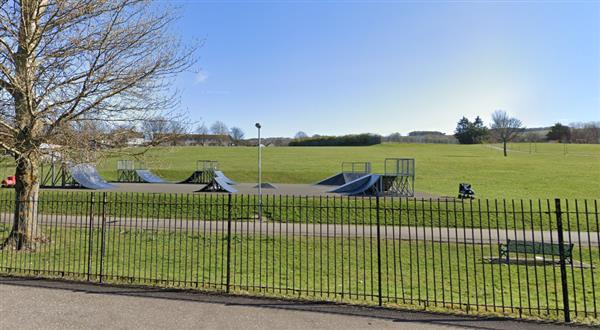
x=87 y=176
x=148 y=177
x=365 y=185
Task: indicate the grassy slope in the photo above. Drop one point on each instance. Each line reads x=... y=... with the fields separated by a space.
x=545 y=173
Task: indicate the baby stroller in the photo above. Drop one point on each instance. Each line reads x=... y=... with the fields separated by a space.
x=465 y=191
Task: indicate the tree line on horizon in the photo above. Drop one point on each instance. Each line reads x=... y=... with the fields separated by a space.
x=474 y=132
x=344 y=140
x=220 y=128
x=503 y=129
x=466 y=132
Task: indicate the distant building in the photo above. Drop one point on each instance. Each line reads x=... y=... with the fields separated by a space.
x=135 y=142
x=50 y=152
x=195 y=140
x=269 y=142
x=124 y=137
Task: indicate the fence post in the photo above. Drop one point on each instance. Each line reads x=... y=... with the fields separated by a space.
x=563 y=266
x=228 y=243
x=90 y=236
x=102 y=235
x=380 y=301
x=18 y=223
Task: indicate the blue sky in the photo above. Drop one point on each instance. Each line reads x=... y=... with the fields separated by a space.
x=340 y=67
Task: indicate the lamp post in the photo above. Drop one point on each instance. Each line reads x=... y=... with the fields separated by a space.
x=258 y=126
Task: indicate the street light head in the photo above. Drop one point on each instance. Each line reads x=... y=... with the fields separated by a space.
x=257 y=125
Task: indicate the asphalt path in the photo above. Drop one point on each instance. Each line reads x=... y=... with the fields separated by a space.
x=46 y=304
x=269 y=228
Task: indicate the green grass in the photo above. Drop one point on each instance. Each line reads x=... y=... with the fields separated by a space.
x=342 y=270
x=546 y=172
x=298 y=267
x=532 y=214
x=530 y=171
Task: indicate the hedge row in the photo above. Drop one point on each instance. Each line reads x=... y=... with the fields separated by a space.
x=346 y=140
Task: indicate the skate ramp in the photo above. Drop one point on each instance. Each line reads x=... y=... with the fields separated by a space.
x=148 y=177
x=218 y=184
x=219 y=174
x=361 y=186
x=341 y=179
x=87 y=176
x=196 y=177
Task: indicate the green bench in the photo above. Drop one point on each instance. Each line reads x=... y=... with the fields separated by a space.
x=535 y=248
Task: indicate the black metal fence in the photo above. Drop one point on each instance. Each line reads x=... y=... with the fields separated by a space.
x=520 y=258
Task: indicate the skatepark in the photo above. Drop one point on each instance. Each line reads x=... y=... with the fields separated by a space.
x=354 y=179
x=179 y=232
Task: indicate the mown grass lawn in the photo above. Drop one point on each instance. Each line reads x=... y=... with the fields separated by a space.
x=417 y=274
x=549 y=171
x=61 y=206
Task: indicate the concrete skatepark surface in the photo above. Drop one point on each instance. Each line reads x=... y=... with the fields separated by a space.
x=349 y=184
x=242 y=188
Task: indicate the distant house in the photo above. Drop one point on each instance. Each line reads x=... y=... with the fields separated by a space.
x=196 y=140
x=124 y=137
x=269 y=142
x=48 y=147
x=50 y=152
x=138 y=141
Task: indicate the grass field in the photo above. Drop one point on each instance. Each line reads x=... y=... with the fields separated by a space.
x=484 y=214
x=435 y=275
x=530 y=170
x=415 y=274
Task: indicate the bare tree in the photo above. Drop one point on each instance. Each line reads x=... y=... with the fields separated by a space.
x=394 y=137
x=219 y=128
x=202 y=129
x=588 y=132
x=236 y=133
x=505 y=128
x=158 y=129
x=72 y=66
x=300 y=135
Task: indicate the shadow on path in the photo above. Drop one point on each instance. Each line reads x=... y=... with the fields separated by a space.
x=394 y=315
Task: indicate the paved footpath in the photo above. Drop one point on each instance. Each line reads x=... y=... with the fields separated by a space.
x=43 y=304
x=436 y=234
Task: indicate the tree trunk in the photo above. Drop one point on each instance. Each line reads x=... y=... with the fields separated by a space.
x=505 y=154
x=25 y=232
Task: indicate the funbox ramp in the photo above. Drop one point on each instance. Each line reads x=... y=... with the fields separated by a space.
x=218 y=184
x=341 y=179
x=219 y=174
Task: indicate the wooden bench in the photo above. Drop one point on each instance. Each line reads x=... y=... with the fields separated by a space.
x=535 y=248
